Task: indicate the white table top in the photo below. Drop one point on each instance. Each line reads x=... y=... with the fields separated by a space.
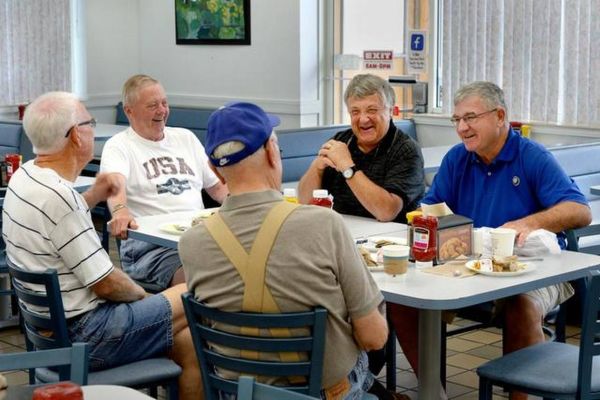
x=149 y=227
x=103 y=392
x=103 y=132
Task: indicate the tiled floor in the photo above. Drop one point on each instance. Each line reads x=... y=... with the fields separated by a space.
x=464 y=354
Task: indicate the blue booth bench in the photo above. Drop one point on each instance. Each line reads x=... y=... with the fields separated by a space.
x=14 y=140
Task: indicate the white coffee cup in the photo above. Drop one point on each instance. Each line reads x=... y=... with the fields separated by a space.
x=477 y=241
x=503 y=241
x=395 y=259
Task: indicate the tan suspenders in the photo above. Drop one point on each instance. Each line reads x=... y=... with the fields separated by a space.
x=252 y=267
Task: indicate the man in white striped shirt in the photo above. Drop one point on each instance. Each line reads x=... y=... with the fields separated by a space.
x=47 y=224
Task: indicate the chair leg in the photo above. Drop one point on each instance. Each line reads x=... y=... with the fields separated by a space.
x=173 y=391
x=485 y=389
x=560 y=327
x=390 y=355
x=443 y=355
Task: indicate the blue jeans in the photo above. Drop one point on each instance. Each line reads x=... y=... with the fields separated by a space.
x=147 y=262
x=360 y=378
x=120 y=333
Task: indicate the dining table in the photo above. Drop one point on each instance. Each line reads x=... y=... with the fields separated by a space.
x=90 y=392
x=431 y=293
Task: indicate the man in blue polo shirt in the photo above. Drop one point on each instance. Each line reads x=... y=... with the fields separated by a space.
x=498 y=178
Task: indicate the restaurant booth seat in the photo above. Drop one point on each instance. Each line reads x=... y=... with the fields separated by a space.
x=148 y=373
x=552 y=370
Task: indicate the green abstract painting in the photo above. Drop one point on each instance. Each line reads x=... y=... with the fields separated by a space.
x=212 y=21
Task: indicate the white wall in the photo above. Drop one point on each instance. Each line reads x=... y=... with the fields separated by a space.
x=279 y=70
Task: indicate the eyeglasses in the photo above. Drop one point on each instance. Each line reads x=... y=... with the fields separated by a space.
x=469 y=118
x=91 y=122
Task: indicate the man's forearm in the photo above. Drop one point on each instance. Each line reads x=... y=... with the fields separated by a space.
x=119 y=287
x=384 y=205
x=311 y=180
x=566 y=215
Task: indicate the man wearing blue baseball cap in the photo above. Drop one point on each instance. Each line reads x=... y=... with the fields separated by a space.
x=312 y=259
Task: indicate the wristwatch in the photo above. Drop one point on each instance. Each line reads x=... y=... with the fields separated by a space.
x=349 y=172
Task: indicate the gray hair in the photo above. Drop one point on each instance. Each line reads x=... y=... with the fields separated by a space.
x=132 y=86
x=48 y=119
x=491 y=95
x=364 y=85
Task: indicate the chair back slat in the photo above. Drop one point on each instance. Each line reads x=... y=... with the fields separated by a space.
x=76 y=357
x=201 y=318
x=255 y=367
x=266 y=344
x=590 y=331
x=248 y=389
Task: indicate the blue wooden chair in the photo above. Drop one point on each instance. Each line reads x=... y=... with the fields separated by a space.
x=248 y=389
x=76 y=357
x=148 y=373
x=553 y=370
x=312 y=344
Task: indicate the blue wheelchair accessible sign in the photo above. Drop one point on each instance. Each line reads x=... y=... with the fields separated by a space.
x=417 y=58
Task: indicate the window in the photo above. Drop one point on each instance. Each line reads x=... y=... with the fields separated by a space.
x=545 y=54
x=35 y=49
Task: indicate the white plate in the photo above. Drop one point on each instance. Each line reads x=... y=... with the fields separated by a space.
x=526 y=268
x=372 y=241
x=176 y=228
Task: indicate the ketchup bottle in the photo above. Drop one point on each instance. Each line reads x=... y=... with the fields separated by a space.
x=58 y=391
x=424 y=247
x=321 y=198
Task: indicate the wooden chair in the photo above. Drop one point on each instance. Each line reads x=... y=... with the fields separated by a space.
x=550 y=369
x=248 y=389
x=148 y=373
x=75 y=357
x=312 y=344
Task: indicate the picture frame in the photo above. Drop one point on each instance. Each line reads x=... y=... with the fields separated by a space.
x=214 y=22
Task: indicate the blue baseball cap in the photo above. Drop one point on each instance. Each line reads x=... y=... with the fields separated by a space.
x=243 y=122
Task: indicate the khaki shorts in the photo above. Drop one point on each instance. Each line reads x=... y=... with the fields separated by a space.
x=547 y=298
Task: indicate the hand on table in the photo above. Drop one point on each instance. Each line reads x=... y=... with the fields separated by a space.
x=523 y=230
x=121 y=221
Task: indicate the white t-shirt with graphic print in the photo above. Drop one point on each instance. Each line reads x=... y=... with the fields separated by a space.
x=162 y=177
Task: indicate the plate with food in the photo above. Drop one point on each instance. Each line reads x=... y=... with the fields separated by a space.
x=494 y=267
x=370 y=260
x=374 y=243
x=176 y=228
x=202 y=215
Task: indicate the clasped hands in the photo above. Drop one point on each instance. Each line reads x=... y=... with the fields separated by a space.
x=334 y=154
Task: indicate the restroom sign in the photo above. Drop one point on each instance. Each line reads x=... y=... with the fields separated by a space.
x=417 y=59
x=378 y=59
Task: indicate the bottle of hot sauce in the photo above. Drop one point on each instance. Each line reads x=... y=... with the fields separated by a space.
x=58 y=391
x=424 y=247
x=321 y=198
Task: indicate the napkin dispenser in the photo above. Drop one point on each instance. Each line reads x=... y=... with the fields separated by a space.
x=454 y=237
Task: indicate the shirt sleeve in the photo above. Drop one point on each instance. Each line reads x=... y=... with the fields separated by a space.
x=114 y=158
x=551 y=183
x=208 y=176
x=360 y=290
x=405 y=175
x=78 y=244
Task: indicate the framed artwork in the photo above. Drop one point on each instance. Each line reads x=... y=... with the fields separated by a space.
x=212 y=21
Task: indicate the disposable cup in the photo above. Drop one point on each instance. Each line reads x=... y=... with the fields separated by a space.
x=395 y=259
x=503 y=242
x=477 y=241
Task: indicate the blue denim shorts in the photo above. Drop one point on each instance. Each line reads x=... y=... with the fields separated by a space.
x=360 y=378
x=120 y=333
x=147 y=262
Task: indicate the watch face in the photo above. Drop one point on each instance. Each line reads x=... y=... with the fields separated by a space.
x=348 y=173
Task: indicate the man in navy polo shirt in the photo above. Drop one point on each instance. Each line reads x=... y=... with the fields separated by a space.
x=498 y=178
